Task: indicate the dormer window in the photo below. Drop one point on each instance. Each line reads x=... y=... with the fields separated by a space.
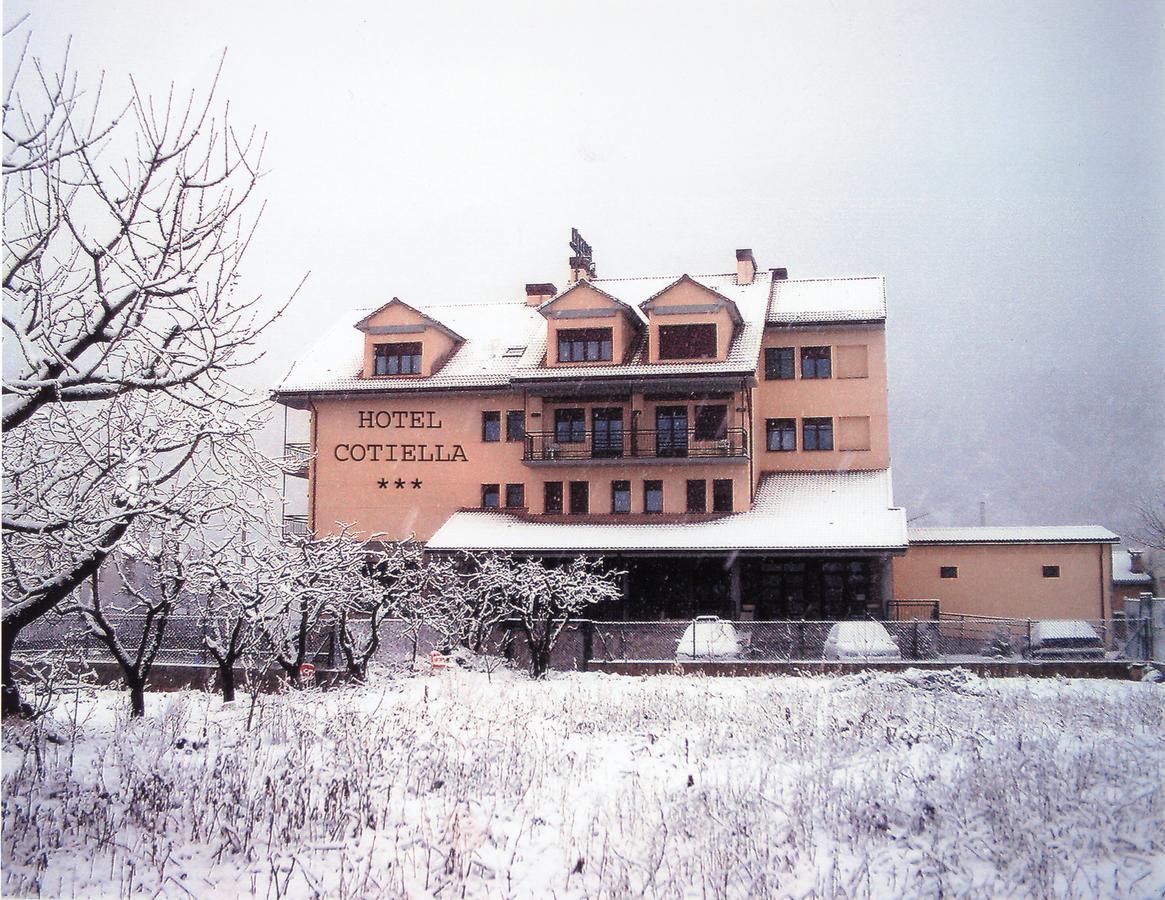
x=687 y=341
x=397 y=359
x=584 y=345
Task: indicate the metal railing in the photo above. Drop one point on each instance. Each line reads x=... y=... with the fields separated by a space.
x=296 y=458
x=548 y=446
x=295 y=527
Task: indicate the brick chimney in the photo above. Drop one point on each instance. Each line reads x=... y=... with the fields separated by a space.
x=537 y=294
x=1137 y=562
x=579 y=271
x=780 y=274
x=745 y=267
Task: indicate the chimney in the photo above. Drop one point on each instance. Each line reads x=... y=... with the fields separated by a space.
x=780 y=274
x=537 y=294
x=1137 y=562
x=745 y=267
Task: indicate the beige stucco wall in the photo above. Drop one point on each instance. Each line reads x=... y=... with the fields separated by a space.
x=1007 y=579
x=437 y=440
x=835 y=397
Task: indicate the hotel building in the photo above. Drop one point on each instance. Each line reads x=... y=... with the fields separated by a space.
x=723 y=438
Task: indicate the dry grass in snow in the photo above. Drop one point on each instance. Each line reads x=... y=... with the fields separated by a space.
x=919 y=784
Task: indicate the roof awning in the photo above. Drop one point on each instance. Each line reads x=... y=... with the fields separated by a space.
x=792 y=512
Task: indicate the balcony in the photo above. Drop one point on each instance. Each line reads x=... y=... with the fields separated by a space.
x=295 y=459
x=675 y=445
x=295 y=528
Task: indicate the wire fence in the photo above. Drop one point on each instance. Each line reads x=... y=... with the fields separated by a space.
x=405 y=645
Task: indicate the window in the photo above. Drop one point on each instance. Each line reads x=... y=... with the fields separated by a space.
x=491 y=426
x=687 y=341
x=1051 y=571
x=815 y=362
x=817 y=434
x=515 y=496
x=853 y=433
x=397 y=359
x=711 y=423
x=607 y=432
x=580 y=501
x=697 y=496
x=620 y=496
x=570 y=426
x=781 y=434
x=948 y=571
x=722 y=495
x=671 y=431
x=489 y=496
x=584 y=344
x=779 y=363
x=552 y=498
x=653 y=496
x=515 y=425
x=853 y=361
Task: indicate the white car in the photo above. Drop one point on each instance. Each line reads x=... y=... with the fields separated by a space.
x=708 y=637
x=1065 y=639
x=860 y=640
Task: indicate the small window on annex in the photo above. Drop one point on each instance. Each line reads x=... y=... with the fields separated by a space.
x=584 y=345
x=491 y=426
x=780 y=435
x=489 y=496
x=620 y=496
x=711 y=423
x=815 y=362
x=722 y=495
x=397 y=359
x=552 y=498
x=515 y=496
x=687 y=341
x=817 y=434
x=948 y=571
x=1051 y=571
x=580 y=502
x=779 y=364
x=653 y=496
x=697 y=495
x=515 y=425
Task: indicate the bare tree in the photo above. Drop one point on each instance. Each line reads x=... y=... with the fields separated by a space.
x=123 y=238
x=133 y=632
x=1152 y=510
x=545 y=599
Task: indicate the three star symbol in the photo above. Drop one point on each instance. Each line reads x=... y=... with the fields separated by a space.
x=398 y=484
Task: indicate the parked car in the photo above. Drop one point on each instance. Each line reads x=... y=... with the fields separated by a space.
x=1065 y=639
x=860 y=640
x=708 y=637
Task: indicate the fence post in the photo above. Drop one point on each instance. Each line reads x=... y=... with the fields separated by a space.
x=914 y=639
x=1028 y=650
x=588 y=633
x=801 y=640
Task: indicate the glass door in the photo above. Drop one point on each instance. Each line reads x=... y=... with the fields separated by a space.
x=671 y=430
x=607 y=429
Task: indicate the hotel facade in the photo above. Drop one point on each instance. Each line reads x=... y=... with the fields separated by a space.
x=722 y=439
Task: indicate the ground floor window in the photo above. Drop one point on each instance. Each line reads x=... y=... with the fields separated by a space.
x=653 y=496
x=722 y=495
x=579 y=498
x=489 y=496
x=515 y=495
x=817 y=434
x=552 y=498
x=697 y=496
x=620 y=496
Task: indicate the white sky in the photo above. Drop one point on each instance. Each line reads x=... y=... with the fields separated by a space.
x=1002 y=164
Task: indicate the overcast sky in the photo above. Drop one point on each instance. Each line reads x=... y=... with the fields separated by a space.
x=1002 y=164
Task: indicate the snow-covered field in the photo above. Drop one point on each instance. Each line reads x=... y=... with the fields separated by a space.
x=914 y=784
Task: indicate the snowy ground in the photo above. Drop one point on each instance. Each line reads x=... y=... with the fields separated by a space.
x=914 y=784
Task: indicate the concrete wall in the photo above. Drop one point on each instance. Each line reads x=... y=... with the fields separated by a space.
x=1007 y=579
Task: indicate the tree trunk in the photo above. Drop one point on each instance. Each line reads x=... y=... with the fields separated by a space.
x=11 y=691
x=226 y=674
x=137 y=697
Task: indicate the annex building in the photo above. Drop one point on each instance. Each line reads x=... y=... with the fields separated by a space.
x=722 y=438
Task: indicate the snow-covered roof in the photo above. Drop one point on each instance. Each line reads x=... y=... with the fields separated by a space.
x=1014 y=534
x=1122 y=568
x=802 y=301
x=792 y=511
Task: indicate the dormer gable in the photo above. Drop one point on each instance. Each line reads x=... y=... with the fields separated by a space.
x=688 y=320
x=400 y=341
x=587 y=326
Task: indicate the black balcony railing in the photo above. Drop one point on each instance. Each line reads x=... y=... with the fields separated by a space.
x=546 y=446
x=296 y=458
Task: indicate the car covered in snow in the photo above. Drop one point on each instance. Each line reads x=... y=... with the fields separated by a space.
x=1065 y=639
x=860 y=641
x=708 y=637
